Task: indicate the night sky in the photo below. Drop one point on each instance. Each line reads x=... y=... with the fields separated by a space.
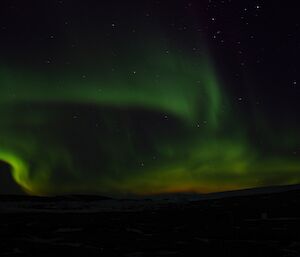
x=148 y=97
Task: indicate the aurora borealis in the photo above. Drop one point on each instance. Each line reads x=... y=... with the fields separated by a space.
x=131 y=109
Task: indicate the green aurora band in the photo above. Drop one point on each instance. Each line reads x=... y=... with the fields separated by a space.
x=166 y=127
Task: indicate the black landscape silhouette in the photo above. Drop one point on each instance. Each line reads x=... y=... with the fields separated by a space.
x=256 y=222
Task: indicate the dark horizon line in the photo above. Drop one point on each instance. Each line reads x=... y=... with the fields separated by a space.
x=180 y=195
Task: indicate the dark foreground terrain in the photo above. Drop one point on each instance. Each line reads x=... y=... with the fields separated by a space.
x=248 y=223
